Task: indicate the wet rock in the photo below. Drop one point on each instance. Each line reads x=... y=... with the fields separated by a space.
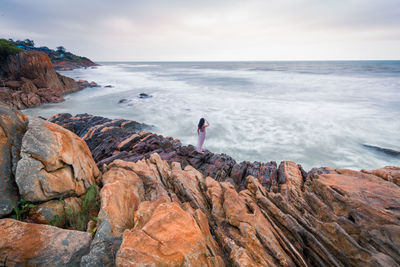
x=27 y=244
x=93 y=84
x=54 y=163
x=12 y=129
x=108 y=86
x=101 y=135
x=144 y=95
x=387 y=151
x=123 y=100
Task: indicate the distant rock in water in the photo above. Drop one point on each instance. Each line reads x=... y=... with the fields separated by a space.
x=108 y=86
x=143 y=95
x=387 y=151
x=123 y=100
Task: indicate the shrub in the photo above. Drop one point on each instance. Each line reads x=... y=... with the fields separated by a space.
x=21 y=209
x=78 y=220
x=7 y=49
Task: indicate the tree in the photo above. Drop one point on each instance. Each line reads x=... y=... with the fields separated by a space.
x=29 y=42
x=61 y=49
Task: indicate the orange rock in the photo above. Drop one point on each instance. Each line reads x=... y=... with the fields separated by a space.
x=55 y=163
x=27 y=244
x=171 y=237
x=389 y=173
x=12 y=129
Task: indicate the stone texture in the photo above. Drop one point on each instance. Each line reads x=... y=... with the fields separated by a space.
x=27 y=244
x=325 y=218
x=12 y=129
x=33 y=81
x=257 y=214
x=170 y=237
x=54 y=163
x=389 y=173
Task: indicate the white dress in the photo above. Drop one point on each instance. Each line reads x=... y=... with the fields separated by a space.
x=200 y=142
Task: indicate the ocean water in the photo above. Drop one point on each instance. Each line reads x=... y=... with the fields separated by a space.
x=314 y=113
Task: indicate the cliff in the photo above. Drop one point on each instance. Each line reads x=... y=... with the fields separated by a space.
x=163 y=204
x=28 y=79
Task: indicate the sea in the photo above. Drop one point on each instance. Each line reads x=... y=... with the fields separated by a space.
x=316 y=113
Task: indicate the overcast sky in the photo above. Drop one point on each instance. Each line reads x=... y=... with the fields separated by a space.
x=170 y=30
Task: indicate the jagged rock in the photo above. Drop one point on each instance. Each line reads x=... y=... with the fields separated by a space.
x=389 y=173
x=12 y=129
x=101 y=135
x=27 y=244
x=120 y=197
x=31 y=76
x=168 y=236
x=54 y=163
x=326 y=218
x=258 y=214
x=109 y=141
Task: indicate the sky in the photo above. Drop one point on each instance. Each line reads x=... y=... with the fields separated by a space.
x=209 y=30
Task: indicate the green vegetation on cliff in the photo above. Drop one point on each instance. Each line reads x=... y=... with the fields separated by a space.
x=7 y=48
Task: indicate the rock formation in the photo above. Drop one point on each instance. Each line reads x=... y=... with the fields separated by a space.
x=163 y=204
x=28 y=244
x=12 y=129
x=259 y=214
x=41 y=161
x=155 y=213
x=28 y=80
x=54 y=163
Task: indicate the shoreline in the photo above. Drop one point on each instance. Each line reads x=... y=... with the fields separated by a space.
x=146 y=185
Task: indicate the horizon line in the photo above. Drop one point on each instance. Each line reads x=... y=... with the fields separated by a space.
x=276 y=60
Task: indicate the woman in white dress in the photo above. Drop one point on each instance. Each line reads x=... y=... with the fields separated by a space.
x=201 y=132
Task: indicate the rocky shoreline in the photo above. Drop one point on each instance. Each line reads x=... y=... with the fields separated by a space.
x=164 y=204
x=28 y=79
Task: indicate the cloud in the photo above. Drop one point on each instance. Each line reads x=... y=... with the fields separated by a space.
x=209 y=30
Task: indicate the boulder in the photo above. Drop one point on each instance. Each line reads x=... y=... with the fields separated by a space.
x=27 y=244
x=12 y=129
x=169 y=236
x=54 y=163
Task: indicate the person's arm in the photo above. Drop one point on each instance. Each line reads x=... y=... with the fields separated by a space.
x=198 y=131
x=208 y=124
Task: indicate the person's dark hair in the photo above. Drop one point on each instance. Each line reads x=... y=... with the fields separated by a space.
x=201 y=123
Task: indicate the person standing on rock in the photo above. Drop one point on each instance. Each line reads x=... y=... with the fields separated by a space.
x=201 y=132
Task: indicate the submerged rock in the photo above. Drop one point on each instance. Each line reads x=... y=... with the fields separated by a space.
x=387 y=151
x=144 y=95
x=123 y=100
